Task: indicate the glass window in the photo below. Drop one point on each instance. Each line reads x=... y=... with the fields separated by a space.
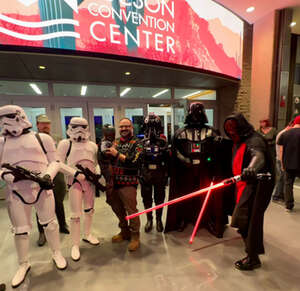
x=66 y=115
x=23 y=88
x=164 y=112
x=195 y=94
x=136 y=115
x=84 y=90
x=144 y=92
x=102 y=116
x=32 y=113
x=210 y=116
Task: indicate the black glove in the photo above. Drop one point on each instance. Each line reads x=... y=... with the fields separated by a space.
x=46 y=182
x=249 y=174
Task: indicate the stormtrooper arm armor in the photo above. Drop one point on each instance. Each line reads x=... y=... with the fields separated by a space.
x=55 y=164
x=5 y=177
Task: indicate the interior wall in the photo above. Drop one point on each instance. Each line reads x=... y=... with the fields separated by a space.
x=262 y=66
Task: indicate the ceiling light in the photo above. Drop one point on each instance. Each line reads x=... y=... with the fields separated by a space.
x=160 y=93
x=250 y=9
x=125 y=91
x=83 y=90
x=293 y=24
x=42 y=67
x=127 y=73
x=35 y=88
x=192 y=94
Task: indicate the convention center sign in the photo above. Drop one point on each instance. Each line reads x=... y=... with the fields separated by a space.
x=195 y=33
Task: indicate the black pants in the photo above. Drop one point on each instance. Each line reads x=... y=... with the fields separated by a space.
x=290 y=176
x=159 y=196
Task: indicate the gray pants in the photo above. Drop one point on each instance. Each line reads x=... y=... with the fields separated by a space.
x=123 y=202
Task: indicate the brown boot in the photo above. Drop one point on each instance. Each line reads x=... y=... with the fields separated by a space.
x=123 y=235
x=134 y=242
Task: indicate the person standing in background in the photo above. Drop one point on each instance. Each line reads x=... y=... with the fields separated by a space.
x=278 y=193
x=43 y=124
x=269 y=133
x=290 y=160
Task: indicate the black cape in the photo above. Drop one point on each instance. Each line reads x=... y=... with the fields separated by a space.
x=185 y=179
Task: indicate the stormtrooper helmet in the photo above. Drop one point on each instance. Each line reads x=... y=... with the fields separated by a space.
x=13 y=120
x=78 y=129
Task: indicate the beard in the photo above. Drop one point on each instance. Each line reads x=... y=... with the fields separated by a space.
x=125 y=133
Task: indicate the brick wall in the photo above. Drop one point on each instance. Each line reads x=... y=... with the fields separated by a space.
x=242 y=102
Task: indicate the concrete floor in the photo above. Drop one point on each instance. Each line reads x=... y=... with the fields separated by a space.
x=164 y=262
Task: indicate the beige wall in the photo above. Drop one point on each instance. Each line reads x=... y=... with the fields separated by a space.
x=262 y=64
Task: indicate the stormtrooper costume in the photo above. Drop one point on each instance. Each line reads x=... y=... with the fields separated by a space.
x=79 y=150
x=21 y=147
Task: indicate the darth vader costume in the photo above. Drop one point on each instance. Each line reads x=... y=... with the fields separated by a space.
x=250 y=156
x=154 y=169
x=195 y=163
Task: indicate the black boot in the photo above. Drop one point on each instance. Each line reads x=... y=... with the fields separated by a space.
x=159 y=224
x=248 y=263
x=149 y=224
x=181 y=226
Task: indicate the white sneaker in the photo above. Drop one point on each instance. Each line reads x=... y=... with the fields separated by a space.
x=91 y=239
x=20 y=275
x=59 y=260
x=75 y=253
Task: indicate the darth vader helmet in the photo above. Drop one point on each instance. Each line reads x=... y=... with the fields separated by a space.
x=196 y=114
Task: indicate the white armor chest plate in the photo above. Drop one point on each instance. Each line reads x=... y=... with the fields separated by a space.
x=83 y=153
x=24 y=150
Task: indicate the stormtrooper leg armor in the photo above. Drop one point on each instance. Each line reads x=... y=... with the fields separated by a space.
x=52 y=236
x=22 y=247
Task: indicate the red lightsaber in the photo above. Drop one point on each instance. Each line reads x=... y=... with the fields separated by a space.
x=201 y=214
x=222 y=184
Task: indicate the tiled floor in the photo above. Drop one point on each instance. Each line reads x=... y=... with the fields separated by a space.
x=164 y=262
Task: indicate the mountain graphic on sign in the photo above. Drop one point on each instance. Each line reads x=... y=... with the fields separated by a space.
x=72 y=3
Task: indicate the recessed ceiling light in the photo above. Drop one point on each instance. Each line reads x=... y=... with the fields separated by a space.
x=293 y=24
x=127 y=73
x=250 y=9
x=42 y=67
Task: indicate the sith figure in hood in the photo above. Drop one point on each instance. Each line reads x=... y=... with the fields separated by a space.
x=250 y=156
x=194 y=164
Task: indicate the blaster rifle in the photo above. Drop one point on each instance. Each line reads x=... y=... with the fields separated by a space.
x=21 y=173
x=93 y=178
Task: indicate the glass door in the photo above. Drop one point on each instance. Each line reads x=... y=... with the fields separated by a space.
x=164 y=111
x=64 y=113
x=136 y=115
x=101 y=117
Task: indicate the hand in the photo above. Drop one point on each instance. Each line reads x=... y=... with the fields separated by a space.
x=46 y=182
x=7 y=177
x=248 y=174
x=112 y=151
x=80 y=177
